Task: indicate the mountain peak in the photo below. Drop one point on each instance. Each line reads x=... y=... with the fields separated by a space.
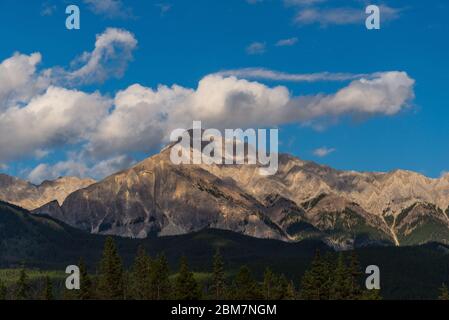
x=29 y=196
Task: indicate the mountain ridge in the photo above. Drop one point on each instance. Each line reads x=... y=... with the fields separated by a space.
x=31 y=196
x=344 y=208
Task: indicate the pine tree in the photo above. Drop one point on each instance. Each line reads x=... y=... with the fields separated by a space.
x=281 y=288
x=444 y=293
x=110 y=283
x=268 y=284
x=354 y=270
x=3 y=291
x=22 y=287
x=140 y=277
x=245 y=287
x=342 y=281
x=291 y=292
x=47 y=294
x=186 y=287
x=373 y=294
x=315 y=283
x=218 y=281
x=86 y=290
x=159 y=279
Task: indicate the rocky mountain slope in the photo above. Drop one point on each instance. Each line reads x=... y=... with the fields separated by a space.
x=303 y=200
x=30 y=196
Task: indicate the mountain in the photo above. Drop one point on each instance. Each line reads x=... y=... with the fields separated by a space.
x=411 y=272
x=30 y=196
x=302 y=200
x=38 y=240
x=44 y=242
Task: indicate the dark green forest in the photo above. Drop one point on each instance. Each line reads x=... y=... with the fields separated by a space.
x=150 y=278
x=42 y=246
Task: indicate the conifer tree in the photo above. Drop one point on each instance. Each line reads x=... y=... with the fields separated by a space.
x=354 y=270
x=218 y=281
x=281 y=288
x=22 y=287
x=110 y=283
x=291 y=292
x=444 y=293
x=140 y=277
x=268 y=284
x=3 y=290
x=342 y=281
x=245 y=287
x=315 y=283
x=186 y=287
x=47 y=294
x=373 y=294
x=159 y=279
x=86 y=290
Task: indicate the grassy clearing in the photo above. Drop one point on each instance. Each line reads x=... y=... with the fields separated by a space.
x=10 y=276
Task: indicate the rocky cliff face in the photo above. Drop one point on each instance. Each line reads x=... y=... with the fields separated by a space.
x=303 y=200
x=30 y=196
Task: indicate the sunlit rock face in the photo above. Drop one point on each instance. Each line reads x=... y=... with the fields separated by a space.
x=302 y=200
x=30 y=196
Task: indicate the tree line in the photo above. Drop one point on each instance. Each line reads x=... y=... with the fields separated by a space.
x=149 y=278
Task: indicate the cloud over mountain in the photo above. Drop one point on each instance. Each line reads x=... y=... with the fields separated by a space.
x=42 y=111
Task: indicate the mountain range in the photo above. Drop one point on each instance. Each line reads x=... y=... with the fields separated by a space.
x=29 y=196
x=303 y=200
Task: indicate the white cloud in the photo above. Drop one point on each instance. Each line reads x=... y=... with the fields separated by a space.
x=18 y=79
x=38 y=115
x=143 y=117
x=109 y=8
x=385 y=94
x=55 y=118
x=110 y=58
x=323 y=151
x=256 y=48
x=78 y=168
x=267 y=74
x=341 y=16
x=287 y=42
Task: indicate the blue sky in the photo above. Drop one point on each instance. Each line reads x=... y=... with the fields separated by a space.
x=182 y=42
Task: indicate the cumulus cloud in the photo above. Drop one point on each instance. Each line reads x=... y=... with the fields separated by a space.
x=387 y=94
x=323 y=151
x=109 y=8
x=55 y=118
x=78 y=168
x=38 y=115
x=143 y=117
x=18 y=79
x=256 y=48
x=110 y=57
